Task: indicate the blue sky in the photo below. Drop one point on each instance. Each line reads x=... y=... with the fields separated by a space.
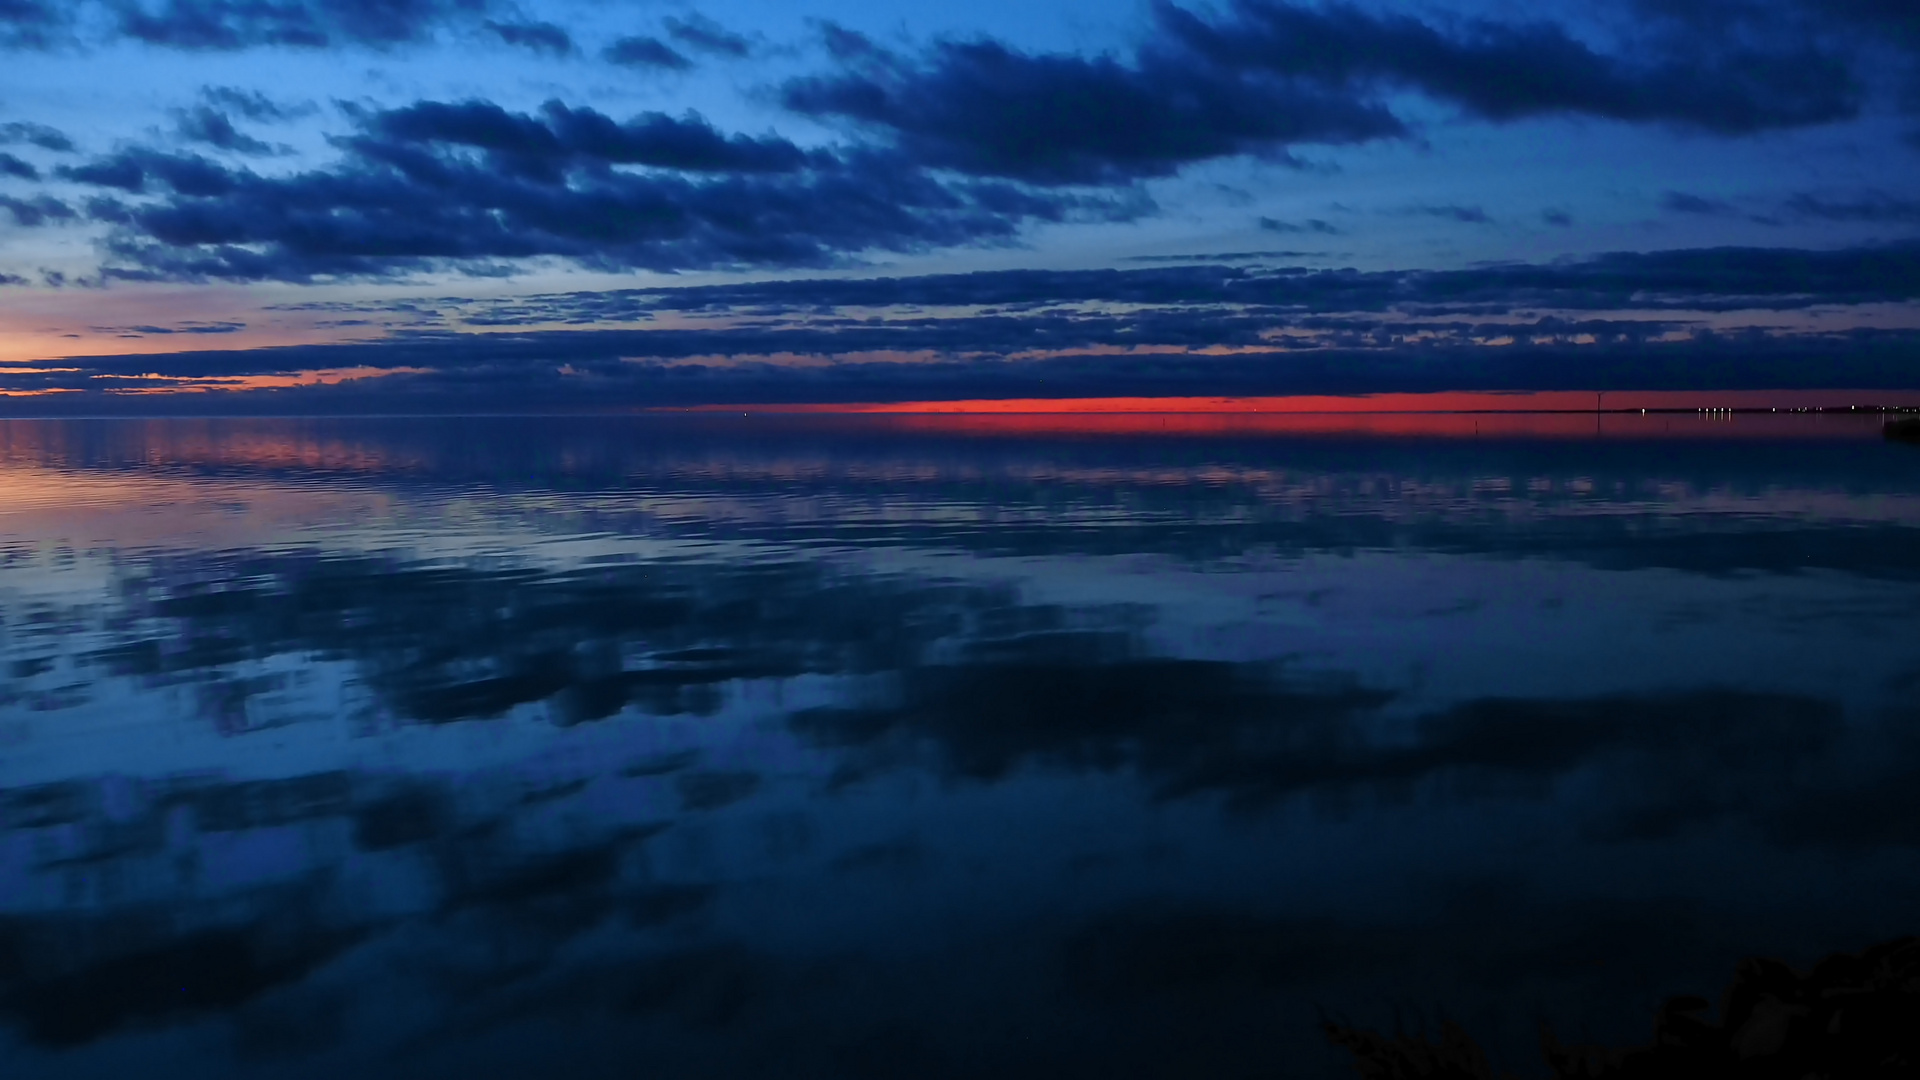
x=271 y=188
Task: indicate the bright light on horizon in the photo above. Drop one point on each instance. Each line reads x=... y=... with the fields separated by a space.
x=1437 y=402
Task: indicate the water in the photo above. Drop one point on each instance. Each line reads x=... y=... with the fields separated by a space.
x=935 y=746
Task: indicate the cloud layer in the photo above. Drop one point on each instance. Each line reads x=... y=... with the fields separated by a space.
x=918 y=147
x=954 y=142
x=1619 y=322
x=1266 y=76
x=238 y=24
x=471 y=185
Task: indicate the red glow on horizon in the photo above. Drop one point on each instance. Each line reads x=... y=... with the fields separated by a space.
x=1461 y=425
x=1552 y=414
x=1547 y=401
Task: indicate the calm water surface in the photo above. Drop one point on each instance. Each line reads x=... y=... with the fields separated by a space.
x=740 y=746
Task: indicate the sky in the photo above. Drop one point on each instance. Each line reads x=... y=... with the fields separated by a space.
x=396 y=205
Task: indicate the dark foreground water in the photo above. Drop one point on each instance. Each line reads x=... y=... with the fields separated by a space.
x=737 y=746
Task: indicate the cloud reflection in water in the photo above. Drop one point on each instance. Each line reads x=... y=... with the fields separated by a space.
x=871 y=751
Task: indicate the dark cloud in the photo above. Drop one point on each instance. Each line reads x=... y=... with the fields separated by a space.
x=313 y=24
x=317 y=24
x=209 y=126
x=703 y=34
x=1680 y=202
x=40 y=135
x=988 y=110
x=543 y=37
x=1225 y=256
x=1872 y=207
x=1506 y=72
x=33 y=24
x=1557 y=218
x=132 y=170
x=38 y=210
x=1256 y=78
x=1466 y=215
x=1706 y=278
x=17 y=168
x=472 y=186
x=182 y=328
x=1310 y=225
x=541 y=145
x=982 y=358
x=252 y=104
x=475 y=187
x=1264 y=76
x=1875 y=207
x=120 y=170
x=1293 y=329
x=645 y=52
x=1871 y=30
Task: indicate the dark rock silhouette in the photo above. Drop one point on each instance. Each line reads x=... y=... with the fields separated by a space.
x=1907 y=431
x=1852 y=1015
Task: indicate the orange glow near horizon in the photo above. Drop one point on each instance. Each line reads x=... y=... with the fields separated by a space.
x=208 y=384
x=39 y=326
